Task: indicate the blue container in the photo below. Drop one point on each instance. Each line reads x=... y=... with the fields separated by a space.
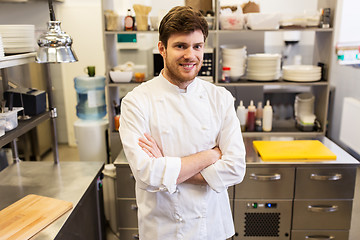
x=90 y=97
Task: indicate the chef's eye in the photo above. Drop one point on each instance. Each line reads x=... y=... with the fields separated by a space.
x=198 y=47
x=179 y=46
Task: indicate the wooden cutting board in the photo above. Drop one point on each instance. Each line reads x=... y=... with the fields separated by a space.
x=296 y=150
x=26 y=217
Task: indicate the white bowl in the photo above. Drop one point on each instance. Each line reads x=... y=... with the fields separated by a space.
x=117 y=76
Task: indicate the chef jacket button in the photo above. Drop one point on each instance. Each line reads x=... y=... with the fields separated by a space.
x=204 y=128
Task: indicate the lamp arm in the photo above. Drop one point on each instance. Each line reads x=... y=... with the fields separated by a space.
x=51 y=9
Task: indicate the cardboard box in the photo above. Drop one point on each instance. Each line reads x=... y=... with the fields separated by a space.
x=34 y=100
x=203 y=5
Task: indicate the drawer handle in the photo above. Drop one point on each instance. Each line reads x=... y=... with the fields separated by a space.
x=318 y=177
x=135 y=236
x=265 y=177
x=134 y=207
x=320 y=237
x=321 y=208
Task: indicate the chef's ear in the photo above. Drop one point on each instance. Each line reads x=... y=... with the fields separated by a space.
x=161 y=48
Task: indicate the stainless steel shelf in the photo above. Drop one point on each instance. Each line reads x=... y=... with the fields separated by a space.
x=275 y=83
x=23 y=127
x=283 y=134
x=311 y=29
x=112 y=84
x=18 y=59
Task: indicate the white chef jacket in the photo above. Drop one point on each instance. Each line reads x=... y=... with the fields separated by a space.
x=182 y=123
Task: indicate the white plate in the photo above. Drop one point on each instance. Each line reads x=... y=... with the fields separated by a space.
x=301 y=79
x=308 y=75
x=302 y=68
x=19 y=50
x=264 y=56
x=270 y=77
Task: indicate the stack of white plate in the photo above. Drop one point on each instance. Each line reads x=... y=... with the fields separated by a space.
x=18 y=38
x=302 y=73
x=234 y=57
x=2 y=54
x=263 y=67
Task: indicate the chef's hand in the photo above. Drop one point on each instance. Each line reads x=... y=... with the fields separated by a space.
x=217 y=153
x=149 y=145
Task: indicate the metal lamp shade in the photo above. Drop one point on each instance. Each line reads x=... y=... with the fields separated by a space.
x=55 y=46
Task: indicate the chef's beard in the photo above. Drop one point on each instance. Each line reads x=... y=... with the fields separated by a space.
x=178 y=76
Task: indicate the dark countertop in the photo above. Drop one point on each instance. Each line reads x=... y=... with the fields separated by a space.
x=66 y=181
x=253 y=160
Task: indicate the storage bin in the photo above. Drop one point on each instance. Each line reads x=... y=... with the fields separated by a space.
x=109 y=195
x=10 y=118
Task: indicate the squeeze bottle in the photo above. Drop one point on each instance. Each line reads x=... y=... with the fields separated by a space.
x=250 y=123
x=242 y=114
x=259 y=117
x=267 y=117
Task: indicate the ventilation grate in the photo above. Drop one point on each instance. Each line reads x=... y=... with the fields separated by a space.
x=262 y=224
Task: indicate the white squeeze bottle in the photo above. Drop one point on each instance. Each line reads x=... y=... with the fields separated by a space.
x=267 y=117
x=241 y=113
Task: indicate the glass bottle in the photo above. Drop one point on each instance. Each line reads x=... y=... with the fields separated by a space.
x=129 y=21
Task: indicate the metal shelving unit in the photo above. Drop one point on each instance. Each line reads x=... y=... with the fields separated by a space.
x=23 y=125
x=16 y=60
x=254 y=40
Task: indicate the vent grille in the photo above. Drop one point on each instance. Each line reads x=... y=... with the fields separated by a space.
x=262 y=224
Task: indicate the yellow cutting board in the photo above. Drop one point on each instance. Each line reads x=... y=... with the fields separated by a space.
x=304 y=150
x=26 y=217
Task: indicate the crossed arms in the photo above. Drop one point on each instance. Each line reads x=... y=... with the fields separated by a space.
x=191 y=165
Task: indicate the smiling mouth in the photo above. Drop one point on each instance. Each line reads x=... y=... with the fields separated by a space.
x=187 y=65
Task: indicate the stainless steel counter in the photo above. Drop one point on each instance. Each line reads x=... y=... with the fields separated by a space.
x=342 y=157
x=66 y=181
x=253 y=160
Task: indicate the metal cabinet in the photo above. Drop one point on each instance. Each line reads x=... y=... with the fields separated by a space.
x=323 y=202
x=126 y=208
x=263 y=203
x=273 y=202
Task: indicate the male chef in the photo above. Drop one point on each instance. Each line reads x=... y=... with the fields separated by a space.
x=183 y=141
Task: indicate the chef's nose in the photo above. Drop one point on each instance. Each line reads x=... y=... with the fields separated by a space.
x=189 y=53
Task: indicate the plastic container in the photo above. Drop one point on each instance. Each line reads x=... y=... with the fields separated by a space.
x=304 y=104
x=241 y=113
x=250 y=122
x=267 y=117
x=109 y=195
x=91 y=139
x=9 y=118
x=225 y=75
x=90 y=97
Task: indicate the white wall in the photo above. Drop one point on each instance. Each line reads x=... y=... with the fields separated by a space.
x=82 y=20
x=345 y=79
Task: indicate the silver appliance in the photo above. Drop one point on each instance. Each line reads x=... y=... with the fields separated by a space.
x=262 y=219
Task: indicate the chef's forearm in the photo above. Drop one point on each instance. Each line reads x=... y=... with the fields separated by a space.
x=195 y=163
x=197 y=179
